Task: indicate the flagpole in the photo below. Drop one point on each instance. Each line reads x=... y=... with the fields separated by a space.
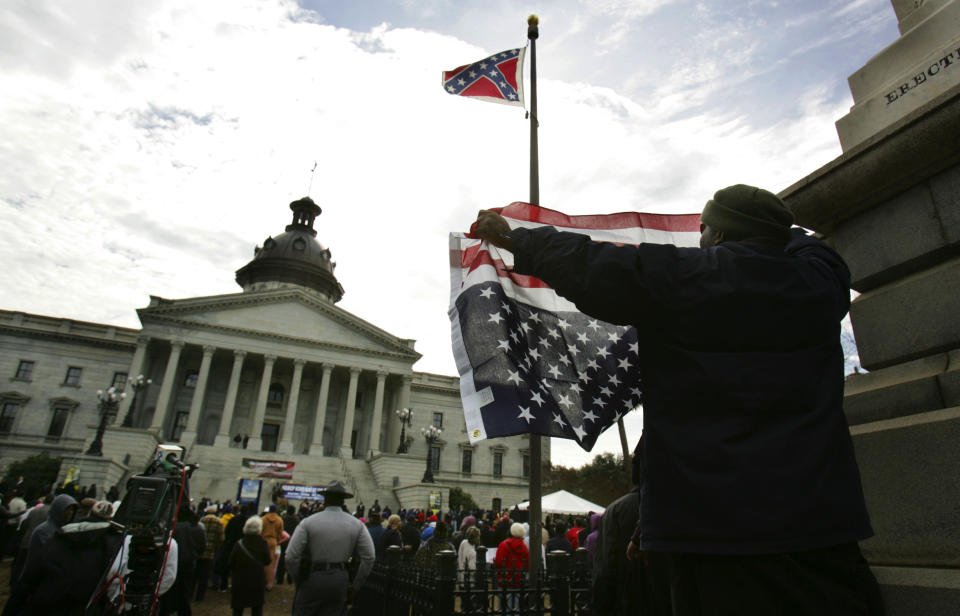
x=536 y=474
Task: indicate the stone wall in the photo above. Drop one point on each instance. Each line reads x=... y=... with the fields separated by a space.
x=891 y=207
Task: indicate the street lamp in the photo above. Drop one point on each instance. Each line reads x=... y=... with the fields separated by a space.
x=431 y=433
x=107 y=402
x=406 y=418
x=138 y=382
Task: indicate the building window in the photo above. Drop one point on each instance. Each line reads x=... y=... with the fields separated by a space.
x=269 y=436
x=438 y=420
x=179 y=425
x=435 y=457
x=119 y=380
x=25 y=370
x=525 y=469
x=190 y=380
x=73 y=376
x=275 y=394
x=58 y=423
x=466 y=464
x=7 y=416
x=497 y=505
x=498 y=464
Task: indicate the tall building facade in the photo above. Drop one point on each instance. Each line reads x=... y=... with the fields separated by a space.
x=274 y=377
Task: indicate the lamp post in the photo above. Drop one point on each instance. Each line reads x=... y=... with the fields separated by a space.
x=137 y=383
x=431 y=433
x=406 y=417
x=107 y=402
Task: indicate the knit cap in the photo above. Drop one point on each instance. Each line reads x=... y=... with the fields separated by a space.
x=747 y=211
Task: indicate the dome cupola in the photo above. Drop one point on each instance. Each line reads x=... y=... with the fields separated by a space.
x=294 y=257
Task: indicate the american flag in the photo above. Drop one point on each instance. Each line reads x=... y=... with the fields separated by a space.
x=528 y=360
x=498 y=79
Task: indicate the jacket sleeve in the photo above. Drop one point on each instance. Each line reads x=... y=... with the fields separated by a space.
x=616 y=283
x=827 y=263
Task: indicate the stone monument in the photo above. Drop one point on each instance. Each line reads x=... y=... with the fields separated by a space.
x=917 y=68
x=891 y=206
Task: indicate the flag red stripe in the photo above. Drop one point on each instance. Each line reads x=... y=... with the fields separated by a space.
x=662 y=222
x=474 y=257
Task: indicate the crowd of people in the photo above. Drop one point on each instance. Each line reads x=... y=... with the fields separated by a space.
x=66 y=551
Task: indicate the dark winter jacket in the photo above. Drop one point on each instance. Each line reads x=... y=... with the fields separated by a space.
x=746 y=448
x=618 y=584
x=191 y=540
x=390 y=536
x=246 y=574
x=411 y=539
x=376 y=533
x=559 y=542
x=55 y=519
x=70 y=568
x=231 y=534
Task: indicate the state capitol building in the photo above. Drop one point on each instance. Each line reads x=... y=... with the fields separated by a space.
x=274 y=374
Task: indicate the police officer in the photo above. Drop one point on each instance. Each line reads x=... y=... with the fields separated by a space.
x=318 y=554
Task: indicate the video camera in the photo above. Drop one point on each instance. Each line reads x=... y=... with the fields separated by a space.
x=148 y=515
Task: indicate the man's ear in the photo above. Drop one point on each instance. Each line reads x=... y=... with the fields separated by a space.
x=719 y=238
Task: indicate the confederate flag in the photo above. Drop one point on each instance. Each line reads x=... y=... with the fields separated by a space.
x=498 y=79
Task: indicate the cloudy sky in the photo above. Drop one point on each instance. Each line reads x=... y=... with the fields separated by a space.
x=146 y=147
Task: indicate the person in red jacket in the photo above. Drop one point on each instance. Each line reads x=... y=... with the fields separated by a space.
x=573 y=535
x=512 y=555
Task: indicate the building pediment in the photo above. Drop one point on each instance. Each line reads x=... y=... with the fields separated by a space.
x=290 y=314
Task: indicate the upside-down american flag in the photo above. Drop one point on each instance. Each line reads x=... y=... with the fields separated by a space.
x=498 y=79
x=528 y=360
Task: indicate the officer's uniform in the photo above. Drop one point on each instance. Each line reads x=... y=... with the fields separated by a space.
x=328 y=538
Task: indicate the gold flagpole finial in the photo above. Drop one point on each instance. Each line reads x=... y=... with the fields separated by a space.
x=533 y=20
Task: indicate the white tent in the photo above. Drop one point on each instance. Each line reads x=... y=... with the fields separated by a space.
x=563 y=502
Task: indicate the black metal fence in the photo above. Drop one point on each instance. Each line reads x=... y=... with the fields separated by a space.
x=398 y=587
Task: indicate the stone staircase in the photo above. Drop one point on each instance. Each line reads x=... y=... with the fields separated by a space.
x=366 y=488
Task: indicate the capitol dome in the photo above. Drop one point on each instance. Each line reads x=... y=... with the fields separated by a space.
x=294 y=257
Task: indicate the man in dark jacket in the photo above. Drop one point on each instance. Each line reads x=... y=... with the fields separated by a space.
x=232 y=533
x=750 y=483
x=191 y=541
x=375 y=527
x=63 y=572
x=34 y=518
x=61 y=512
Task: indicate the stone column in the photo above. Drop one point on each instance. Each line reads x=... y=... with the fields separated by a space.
x=223 y=435
x=196 y=403
x=345 y=450
x=136 y=368
x=256 y=423
x=316 y=447
x=377 y=412
x=166 y=388
x=286 y=443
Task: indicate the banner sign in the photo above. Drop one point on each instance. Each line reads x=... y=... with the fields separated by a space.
x=436 y=501
x=296 y=491
x=270 y=468
x=249 y=491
